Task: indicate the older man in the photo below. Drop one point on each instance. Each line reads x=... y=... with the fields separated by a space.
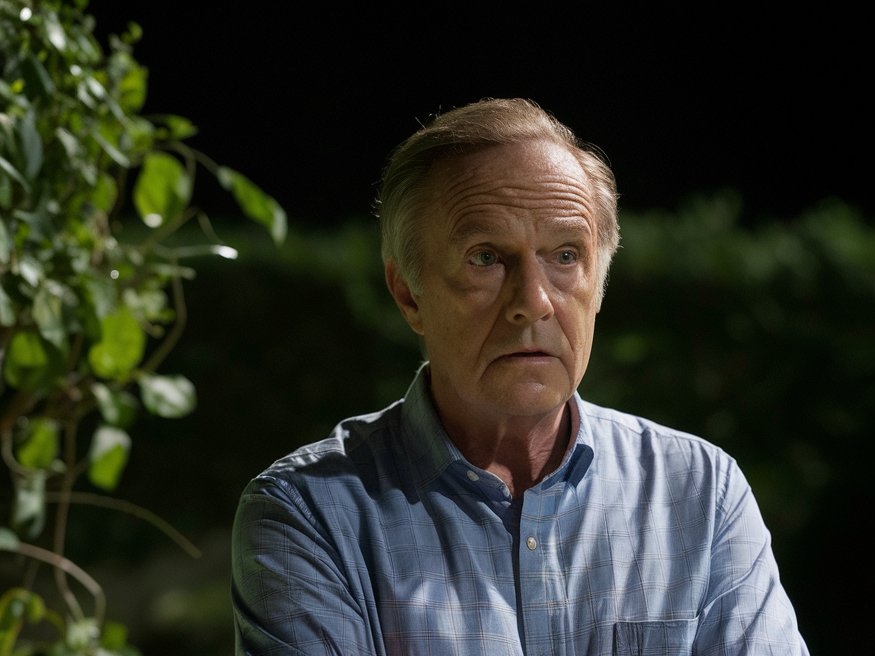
x=492 y=510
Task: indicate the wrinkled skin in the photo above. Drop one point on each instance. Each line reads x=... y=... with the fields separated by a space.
x=508 y=303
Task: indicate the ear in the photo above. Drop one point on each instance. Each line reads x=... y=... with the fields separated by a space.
x=404 y=298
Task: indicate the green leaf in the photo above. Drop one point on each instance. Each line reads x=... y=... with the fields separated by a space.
x=105 y=193
x=118 y=408
x=112 y=150
x=5 y=191
x=37 y=81
x=162 y=190
x=41 y=445
x=16 y=605
x=168 y=396
x=5 y=244
x=149 y=303
x=254 y=202
x=7 y=309
x=48 y=313
x=101 y=293
x=31 y=269
x=32 y=145
x=121 y=346
x=9 y=169
x=40 y=224
x=114 y=636
x=29 y=507
x=132 y=87
x=141 y=133
x=179 y=128
x=30 y=363
x=8 y=540
x=55 y=30
x=108 y=456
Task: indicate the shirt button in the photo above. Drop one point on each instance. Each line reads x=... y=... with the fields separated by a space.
x=472 y=475
x=531 y=543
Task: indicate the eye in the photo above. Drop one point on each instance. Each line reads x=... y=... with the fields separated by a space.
x=483 y=258
x=567 y=256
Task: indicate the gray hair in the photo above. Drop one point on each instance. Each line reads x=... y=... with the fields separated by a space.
x=404 y=186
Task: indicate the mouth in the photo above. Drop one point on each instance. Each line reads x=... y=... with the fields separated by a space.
x=527 y=355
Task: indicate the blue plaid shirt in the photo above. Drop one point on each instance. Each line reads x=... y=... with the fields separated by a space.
x=383 y=539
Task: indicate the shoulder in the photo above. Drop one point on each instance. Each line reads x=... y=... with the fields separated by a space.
x=346 y=440
x=607 y=426
x=641 y=449
x=333 y=486
x=355 y=441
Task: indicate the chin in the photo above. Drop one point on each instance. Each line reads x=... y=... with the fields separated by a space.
x=533 y=399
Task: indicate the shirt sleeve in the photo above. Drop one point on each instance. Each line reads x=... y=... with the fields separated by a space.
x=747 y=609
x=290 y=593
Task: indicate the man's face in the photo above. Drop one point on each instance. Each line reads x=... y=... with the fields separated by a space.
x=508 y=300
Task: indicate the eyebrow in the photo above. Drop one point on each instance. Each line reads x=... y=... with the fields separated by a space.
x=469 y=229
x=475 y=228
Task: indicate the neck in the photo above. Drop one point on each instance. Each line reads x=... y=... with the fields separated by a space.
x=520 y=451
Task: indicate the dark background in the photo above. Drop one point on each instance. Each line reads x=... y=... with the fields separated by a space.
x=308 y=99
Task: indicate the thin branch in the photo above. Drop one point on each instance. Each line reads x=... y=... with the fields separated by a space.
x=60 y=538
x=7 y=453
x=89 y=498
x=175 y=333
x=71 y=568
x=22 y=403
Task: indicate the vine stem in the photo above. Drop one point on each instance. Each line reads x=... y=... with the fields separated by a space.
x=69 y=567
x=62 y=516
x=176 y=330
x=162 y=525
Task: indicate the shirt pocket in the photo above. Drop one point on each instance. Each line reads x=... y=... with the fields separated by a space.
x=668 y=638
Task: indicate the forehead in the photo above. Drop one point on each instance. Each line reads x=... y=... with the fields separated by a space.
x=535 y=179
x=534 y=160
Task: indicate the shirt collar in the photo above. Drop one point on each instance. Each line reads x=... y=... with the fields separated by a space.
x=431 y=451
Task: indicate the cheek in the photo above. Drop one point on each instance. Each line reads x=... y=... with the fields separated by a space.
x=453 y=328
x=440 y=316
x=579 y=325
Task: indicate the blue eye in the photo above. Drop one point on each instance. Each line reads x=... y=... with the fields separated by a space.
x=567 y=257
x=483 y=258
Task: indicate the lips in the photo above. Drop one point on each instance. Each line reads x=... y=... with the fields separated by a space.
x=530 y=354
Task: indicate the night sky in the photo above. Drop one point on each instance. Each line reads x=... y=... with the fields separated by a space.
x=307 y=101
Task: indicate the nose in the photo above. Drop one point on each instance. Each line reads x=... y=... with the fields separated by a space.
x=528 y=292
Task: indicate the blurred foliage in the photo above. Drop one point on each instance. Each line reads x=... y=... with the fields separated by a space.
x=91 y=302
x=762 y=340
